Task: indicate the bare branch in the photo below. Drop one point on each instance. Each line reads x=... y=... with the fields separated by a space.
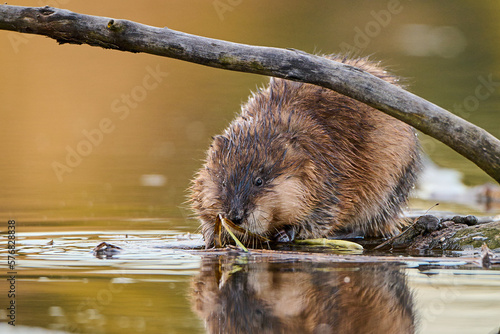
x=467 y=139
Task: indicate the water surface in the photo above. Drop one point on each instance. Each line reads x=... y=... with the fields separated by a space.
x=147 y=287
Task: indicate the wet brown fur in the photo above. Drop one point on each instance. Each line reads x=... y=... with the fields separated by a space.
x=327 y=163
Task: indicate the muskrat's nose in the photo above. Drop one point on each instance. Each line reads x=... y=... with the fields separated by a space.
x=236 y=216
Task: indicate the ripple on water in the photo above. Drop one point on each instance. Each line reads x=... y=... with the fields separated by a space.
x=143 y=253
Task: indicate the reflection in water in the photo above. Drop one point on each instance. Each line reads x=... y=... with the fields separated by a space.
x=233 y=296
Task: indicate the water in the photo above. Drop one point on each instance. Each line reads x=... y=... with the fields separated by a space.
x=99 y=145
x=61 y=285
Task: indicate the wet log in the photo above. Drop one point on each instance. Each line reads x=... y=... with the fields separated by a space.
x=430 y=233
x=65 y=26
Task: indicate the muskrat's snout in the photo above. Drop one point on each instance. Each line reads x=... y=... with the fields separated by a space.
x=236 y=215
x=236 y=209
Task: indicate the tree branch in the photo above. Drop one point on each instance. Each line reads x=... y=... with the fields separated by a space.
x=467 y=139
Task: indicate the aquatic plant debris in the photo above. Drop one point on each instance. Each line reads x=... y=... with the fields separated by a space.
x=221 y=221
x=339 y=245
x=224 y=223
x=105 y=249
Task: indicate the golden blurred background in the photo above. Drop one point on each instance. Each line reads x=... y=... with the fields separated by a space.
x=56 y=99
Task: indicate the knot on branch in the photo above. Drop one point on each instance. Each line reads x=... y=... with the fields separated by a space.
x=47 y=10
x=115 y=26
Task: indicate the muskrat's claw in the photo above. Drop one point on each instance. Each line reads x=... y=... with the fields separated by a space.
x=283 y=235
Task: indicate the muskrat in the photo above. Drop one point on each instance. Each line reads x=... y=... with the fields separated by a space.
x=302 y=161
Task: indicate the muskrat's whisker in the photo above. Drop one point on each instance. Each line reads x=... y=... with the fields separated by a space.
x=259 y=223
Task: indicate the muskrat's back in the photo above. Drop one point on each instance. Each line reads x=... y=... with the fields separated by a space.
x=302 y=161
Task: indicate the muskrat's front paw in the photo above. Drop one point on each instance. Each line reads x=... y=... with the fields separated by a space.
x=285 y=235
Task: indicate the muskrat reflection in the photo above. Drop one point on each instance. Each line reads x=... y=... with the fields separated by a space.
x=233 y=297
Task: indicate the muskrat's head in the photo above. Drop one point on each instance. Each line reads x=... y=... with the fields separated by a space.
x=255 y=176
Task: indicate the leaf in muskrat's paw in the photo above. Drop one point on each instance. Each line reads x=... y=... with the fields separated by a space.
x=218 y=232
x=340 y=245
x=225 y=224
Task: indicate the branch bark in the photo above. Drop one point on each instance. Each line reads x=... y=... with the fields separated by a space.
x=65 y=26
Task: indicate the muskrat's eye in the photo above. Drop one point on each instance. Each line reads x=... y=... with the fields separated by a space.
x=259 y=182
x=223 y=183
